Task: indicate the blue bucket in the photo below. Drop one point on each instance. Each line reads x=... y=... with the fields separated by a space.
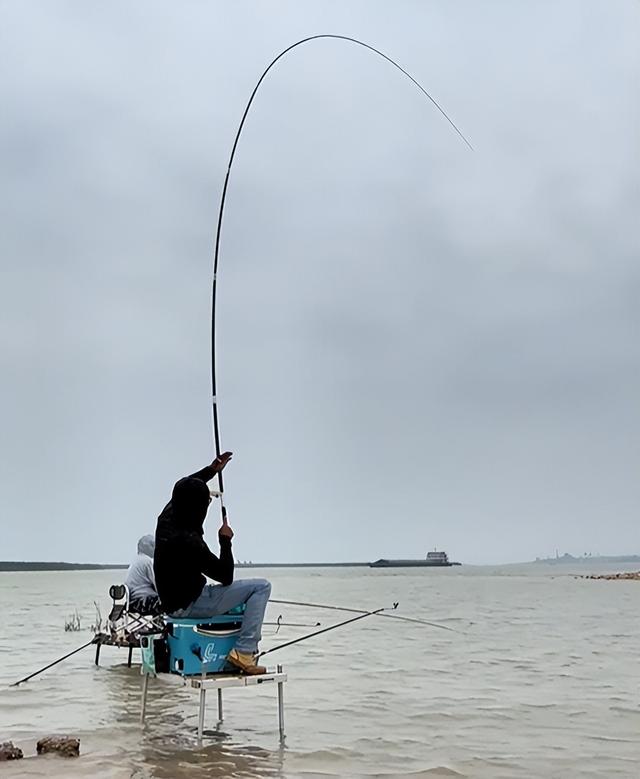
x=198 y=646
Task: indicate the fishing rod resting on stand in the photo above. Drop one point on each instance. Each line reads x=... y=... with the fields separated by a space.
x=415 y=620
x=325 y=630
x=55 y=662
x=95 y=640
x=216 y=256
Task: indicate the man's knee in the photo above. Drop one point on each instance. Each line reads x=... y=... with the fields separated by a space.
x=254 y=586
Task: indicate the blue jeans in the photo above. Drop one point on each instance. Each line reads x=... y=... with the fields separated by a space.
x=216 y=599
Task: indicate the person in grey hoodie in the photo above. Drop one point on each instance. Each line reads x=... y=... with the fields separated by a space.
x=140 y=579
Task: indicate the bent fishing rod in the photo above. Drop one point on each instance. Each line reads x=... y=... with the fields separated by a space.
x=216 y=256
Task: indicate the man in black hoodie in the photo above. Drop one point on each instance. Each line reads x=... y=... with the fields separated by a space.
x=182 y=559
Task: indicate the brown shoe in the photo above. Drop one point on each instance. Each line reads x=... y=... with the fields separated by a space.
x=246 y=663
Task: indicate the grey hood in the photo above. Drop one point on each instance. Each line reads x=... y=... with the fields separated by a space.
x=147 y=545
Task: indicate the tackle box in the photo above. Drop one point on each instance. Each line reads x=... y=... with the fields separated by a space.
x=201 y=645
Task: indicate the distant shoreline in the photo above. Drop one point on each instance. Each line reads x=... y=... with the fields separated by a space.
x=567 y=559
x=6 y=565
x=55 y=566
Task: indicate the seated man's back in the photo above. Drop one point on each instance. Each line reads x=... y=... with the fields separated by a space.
x=140 y=579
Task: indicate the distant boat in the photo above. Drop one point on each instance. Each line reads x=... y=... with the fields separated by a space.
x=432 y=560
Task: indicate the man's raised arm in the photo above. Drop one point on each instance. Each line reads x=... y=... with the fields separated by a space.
x=209 y=471
x=220 y=569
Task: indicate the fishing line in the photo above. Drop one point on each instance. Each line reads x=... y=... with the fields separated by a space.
x=324 y=630
x=361 y=611
x=216 y=429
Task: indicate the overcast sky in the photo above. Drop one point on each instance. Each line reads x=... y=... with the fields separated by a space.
x=419 y=346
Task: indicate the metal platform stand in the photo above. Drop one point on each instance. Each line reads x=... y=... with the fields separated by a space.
x=220 y=682
x=104 y=639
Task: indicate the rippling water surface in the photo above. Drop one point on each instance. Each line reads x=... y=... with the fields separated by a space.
x=541 y=679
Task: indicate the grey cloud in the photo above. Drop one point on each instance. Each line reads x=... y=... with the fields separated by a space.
x=419 y=345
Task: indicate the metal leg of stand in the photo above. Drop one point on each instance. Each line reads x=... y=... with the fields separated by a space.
x=98 y=647
x=145 y=687
x=220 y=714
x=130 y=656
x=203 y=693
x=281 y=707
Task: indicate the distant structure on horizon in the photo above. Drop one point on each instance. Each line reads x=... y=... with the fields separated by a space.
x=588 y=558
x=433 y=559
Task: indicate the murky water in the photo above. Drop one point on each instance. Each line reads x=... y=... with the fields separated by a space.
x=541 y=680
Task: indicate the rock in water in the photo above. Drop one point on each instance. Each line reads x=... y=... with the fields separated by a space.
x=61 y=745
x=9 y=752
x=628 y=576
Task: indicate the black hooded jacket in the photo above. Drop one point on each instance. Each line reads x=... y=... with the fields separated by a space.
x=182 y=558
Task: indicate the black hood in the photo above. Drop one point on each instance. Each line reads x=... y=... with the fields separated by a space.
x=190 y=501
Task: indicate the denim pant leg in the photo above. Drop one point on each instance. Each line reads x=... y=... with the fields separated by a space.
x=216 y=599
